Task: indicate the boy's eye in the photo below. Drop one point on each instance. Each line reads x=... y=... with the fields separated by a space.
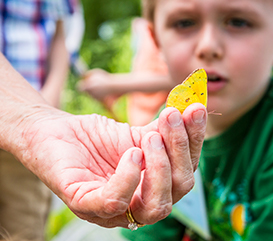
x=238 y=23
x=186 y=23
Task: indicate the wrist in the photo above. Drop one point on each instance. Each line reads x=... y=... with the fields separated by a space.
x=17 y=128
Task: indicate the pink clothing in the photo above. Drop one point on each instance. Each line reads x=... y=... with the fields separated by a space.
x=142 y=107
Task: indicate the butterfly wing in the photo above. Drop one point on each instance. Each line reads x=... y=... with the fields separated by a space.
x=192 y=90
x=181 y=97
x=197 y=81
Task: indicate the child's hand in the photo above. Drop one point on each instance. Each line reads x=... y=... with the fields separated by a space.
x=97 y=83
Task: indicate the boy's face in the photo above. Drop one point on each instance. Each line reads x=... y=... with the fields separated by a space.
x=231 y=39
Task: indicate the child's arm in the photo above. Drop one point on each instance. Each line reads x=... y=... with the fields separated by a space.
x=100 y=84
x=58 y=62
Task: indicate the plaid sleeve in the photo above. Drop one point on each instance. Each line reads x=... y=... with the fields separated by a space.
x=57 y=9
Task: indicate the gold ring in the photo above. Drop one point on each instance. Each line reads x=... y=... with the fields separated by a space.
x=133 y=224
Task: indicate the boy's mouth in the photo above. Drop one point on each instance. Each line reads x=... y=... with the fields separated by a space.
x=214 y=78
x=215 y=82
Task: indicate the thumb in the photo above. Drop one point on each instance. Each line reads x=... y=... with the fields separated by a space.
x=114 y=198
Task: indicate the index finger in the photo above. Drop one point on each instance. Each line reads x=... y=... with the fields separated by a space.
x=178 y=141
x=195 y=117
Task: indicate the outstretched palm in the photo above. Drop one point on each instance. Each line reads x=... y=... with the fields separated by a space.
x=98 y=167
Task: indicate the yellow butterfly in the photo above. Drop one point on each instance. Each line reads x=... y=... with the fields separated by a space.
x=192 y=90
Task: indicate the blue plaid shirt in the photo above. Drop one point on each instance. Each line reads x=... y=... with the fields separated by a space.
x=26 y=31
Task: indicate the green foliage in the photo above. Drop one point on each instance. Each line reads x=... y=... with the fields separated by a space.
x=106 y=45
x=113 y=55
x=57 y=220
x=100 y=11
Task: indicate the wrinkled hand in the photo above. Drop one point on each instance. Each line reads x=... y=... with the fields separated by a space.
x=99 y=167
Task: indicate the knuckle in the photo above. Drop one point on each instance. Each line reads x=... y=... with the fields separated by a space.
x=160 y=166
x=180 y=189
x=195 y=162
x=197 y=137
x=111 y=208
x=159 y=213
x=181 y=143
x=188 y=184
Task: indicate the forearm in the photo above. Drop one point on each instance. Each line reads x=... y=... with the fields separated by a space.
x=143 y=82
x=21 y=106
x=58 y=68
x=17 y=98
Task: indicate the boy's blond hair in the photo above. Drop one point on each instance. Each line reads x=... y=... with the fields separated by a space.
x=148 y=8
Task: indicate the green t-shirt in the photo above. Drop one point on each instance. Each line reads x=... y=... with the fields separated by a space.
x=237 y=173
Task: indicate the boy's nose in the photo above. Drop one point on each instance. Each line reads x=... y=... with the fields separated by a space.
x=209 y=46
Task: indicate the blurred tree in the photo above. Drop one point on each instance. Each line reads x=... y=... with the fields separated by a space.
x=99 y=11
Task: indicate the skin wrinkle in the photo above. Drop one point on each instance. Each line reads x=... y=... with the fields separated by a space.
x=113 y=206
x=26 y=154
x=110 y=223
x=105 y=120
x=30 y=164
x=184 y=145
x=131 y=140
x=109 y=127
x=66 y=186
x=64 y=170
x=164 y=211
x=89 y=150
x=77 y=195
x=80 y=188
x=156 y=211
x=100 y=160
x=195 y=159
x=73 y=195
x=190 y=180
x=117 y=151
x=109 y=174
x=167 y=208
x=109 y=156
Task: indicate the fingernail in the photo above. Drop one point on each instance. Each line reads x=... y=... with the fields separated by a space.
x=137 y=157
x=156 y=142
x=174 y=119
x=198 y=116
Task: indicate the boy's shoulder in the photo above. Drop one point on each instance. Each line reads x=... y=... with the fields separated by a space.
x=259 y=137
x=264 y=110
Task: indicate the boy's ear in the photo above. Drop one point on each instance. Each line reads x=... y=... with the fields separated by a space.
x=152 y=32
x=151 y=29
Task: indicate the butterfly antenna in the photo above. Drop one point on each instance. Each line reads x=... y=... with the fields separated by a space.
x=214 y=113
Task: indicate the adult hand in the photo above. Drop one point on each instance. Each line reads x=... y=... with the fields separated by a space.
x=99 y=167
